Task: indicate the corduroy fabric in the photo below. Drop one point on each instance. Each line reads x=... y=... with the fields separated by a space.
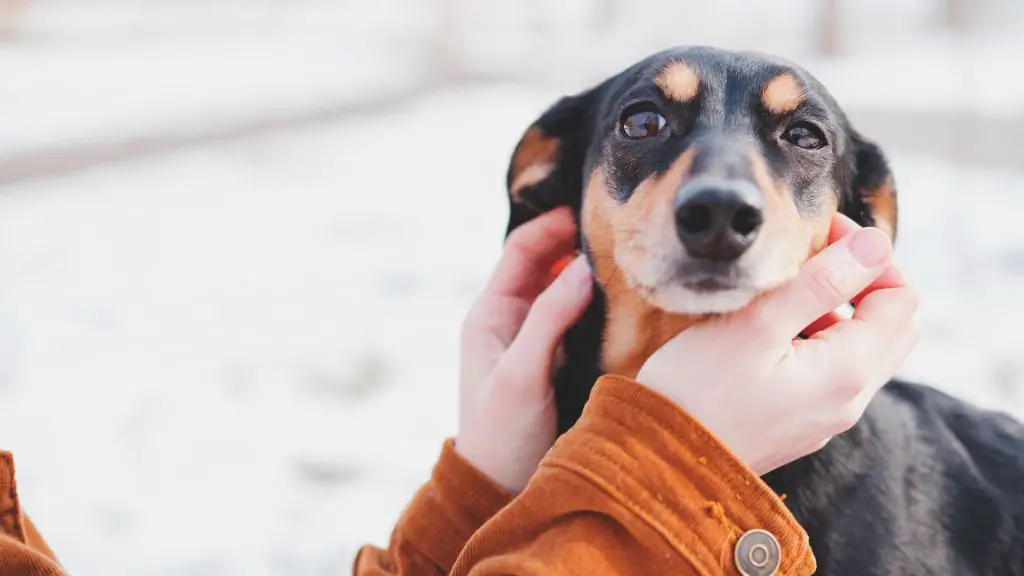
x=23 y=552
x=636 y=487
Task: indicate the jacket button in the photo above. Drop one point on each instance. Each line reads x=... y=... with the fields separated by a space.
x=757 y=554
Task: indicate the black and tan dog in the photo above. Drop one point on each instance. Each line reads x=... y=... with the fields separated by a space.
x=702 y=178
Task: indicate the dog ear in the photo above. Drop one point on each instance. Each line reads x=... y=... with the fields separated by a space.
x=870 y=195
x=546 y=170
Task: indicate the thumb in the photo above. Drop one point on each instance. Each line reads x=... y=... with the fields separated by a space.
x=832 y=278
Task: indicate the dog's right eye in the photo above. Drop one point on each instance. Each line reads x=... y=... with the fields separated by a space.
x=642 y=124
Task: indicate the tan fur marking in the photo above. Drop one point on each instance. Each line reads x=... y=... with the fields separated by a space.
x=529 y=177
x=634 y=328
x=784 y=227
x=883 y=206
x=533 y=160
x=678 y=81
x=782 y=94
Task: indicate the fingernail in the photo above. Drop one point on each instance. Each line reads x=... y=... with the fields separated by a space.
x=870 y=247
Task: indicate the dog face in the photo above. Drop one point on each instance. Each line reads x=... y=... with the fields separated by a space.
x=701 y=179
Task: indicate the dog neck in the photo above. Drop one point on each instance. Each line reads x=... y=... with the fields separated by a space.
x=635 y=329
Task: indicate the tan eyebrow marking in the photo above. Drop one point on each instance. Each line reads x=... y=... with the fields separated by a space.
x=782 y=94
x=678 y=81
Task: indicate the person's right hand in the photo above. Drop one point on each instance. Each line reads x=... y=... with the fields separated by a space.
x=771 y=398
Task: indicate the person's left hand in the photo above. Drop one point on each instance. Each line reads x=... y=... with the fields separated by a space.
x=510 y=340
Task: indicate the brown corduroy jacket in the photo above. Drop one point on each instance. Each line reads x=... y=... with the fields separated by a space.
x=23 y=552
x=636 y=487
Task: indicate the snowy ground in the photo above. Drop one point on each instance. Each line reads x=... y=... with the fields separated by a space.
x=239 y=358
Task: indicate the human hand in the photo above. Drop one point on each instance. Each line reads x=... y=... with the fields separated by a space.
x=772 y=398
x=510 y=340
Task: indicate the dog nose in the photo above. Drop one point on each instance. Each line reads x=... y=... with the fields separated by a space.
x=718 y=219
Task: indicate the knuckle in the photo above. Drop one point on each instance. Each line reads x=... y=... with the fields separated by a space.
x=470 y=324
x=502 y=379
x=827 y=286
x=846 y=418
x=913 y=298
x=522 y=242
x=552 y=304
x=822 y=443
x=516 y=238
x=852 y=382
x=516 y=386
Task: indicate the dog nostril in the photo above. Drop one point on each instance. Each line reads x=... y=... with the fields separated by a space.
x=746 y=220
x=718 y=219
x=695 y=219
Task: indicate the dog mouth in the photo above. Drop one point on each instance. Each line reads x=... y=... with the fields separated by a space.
x=709 y=284
x=705 y=276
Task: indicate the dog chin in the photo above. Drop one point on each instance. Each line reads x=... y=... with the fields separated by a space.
x=682 y=300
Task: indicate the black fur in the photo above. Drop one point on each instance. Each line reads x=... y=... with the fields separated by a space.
x=925 y=483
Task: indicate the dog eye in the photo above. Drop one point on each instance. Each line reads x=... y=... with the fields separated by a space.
x=805 y=135
x=644 y=124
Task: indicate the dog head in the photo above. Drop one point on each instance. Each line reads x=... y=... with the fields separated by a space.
x=701 y=179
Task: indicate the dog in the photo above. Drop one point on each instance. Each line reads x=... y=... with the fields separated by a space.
x=702 y=178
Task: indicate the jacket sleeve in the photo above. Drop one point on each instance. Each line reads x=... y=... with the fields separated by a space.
x=637 y=486
x=433 y=529
x=23 y=552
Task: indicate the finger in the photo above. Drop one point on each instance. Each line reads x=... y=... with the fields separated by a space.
x=885 y=322
x=529 y=254
x=891 y=278
x=898 y=353
x=830 y=279
x=842 y=226
x=561 y=265
x=554 y=312
x=875 y=341
x=826 y=322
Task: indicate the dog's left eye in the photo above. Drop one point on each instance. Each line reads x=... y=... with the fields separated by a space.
x=644 y=124
x=805 y=135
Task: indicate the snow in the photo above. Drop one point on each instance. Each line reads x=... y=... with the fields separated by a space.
x=240 y=357
x=101 y=70
x=184 y=329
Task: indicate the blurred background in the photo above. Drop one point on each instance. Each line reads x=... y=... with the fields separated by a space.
x=237 y=238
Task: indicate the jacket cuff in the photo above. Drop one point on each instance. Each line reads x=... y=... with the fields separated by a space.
x=451 y=507
x=654 y=458
x=11 y=522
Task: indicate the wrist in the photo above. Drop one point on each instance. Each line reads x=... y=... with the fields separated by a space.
x=478 y=459
x=648 y=378
x=504 y=467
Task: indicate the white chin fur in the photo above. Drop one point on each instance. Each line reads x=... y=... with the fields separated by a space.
x=682 y=300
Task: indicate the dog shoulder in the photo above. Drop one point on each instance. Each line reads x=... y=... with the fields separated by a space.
x=968 y=462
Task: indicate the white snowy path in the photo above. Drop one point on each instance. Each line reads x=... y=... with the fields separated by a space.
x=241 y=359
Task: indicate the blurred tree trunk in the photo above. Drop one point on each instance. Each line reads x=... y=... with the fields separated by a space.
x=10 y=13
x=955 y=14
x=605 y=14
x=830 y=28
x=447 y=39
